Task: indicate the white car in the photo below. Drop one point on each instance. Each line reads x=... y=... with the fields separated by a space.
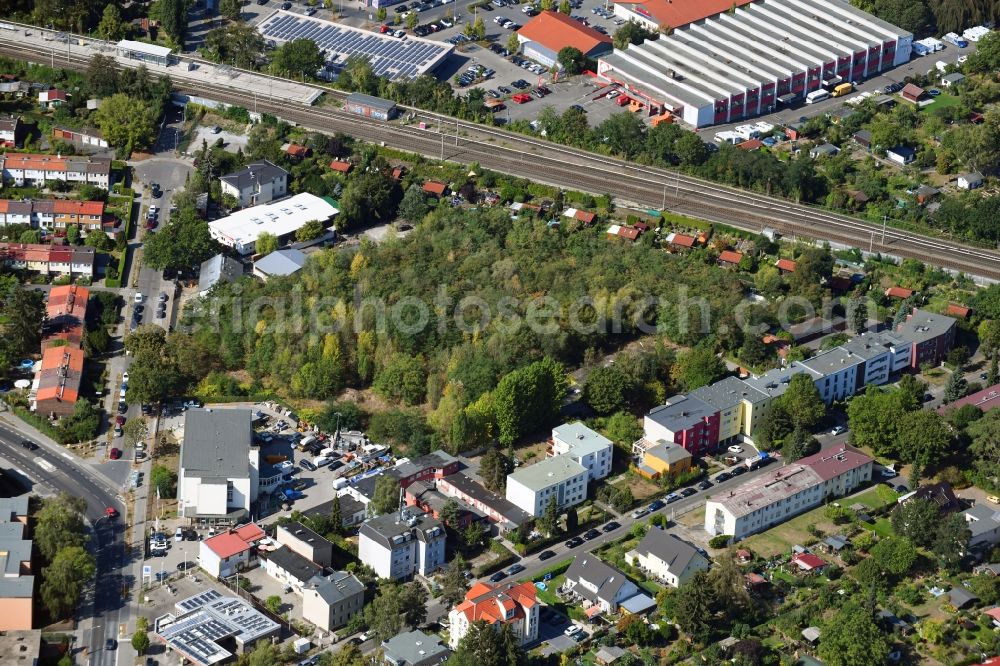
x=179 y=534
x=124 y=378
x=572 y=630
x=837 y=430
x=138 y=297
x=962 y=58
x=735 y=449
x=285 y=465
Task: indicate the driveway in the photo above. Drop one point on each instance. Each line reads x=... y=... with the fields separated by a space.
x=231 y=140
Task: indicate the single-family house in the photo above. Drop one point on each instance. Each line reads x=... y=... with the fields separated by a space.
x=331 y=600
x=513 y=604
x=969 y=181
x=234 y=550
x=666 y=557
x=808 y=563
x=983 y=522
x=434 y=188
x=729 y=258
x=901 y=155
x=824 y=150
x=601 y=587
x=952 y=80
x=257 y=183
x=785 y=266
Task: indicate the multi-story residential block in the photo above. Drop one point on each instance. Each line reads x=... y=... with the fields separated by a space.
x=686 y=421
x=773 y=498
x=331 y=600
x=514 y=604
x=31 y=169
x=399 y=545
x=883 y=354
x=218 y=478
x=77 y=261
x=17 y=585
x=932 y=336
x=425 y=496
x=307 y=543
x=533 y=486
x=591 y=449
x=234 y=550
x=666 y=557
x=505 y=515
x=734 y=400
x=257 y=183
x=414 y=648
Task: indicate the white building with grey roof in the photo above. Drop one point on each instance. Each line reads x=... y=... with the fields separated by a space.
x=414 y=648
x=218 y=476
x=666 y=557
x=17 y=584
x=600 y=585
x=256 y=183
x=587 y=447
x=400 y=544
x=532 y=487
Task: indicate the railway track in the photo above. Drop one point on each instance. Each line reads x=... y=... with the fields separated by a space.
x=542 y=161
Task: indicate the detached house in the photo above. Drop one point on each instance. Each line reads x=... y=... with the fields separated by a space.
x=234 y=550
x=256 y=183
x=666 y=557
x=602 y=588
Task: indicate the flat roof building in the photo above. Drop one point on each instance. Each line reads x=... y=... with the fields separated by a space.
x=722 y=63
x=280 y=263
x=414 y=648
x=132 y=50
x=587 y=447
x=282 y=219
x=532 y=487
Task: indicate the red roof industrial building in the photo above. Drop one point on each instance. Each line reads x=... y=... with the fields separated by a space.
x=545 y=35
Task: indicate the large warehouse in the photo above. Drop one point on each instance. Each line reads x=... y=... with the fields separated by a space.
x=390 y=57
x=746 y=61
x=280 y=218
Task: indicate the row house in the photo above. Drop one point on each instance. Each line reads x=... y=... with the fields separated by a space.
x=65 y=316
x=56 y=386
x=49 y=259
x=502 y=513
x=33 y=169
x=53 y=214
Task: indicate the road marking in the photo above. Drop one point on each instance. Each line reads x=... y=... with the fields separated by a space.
x=67 y=456
x=45 y=464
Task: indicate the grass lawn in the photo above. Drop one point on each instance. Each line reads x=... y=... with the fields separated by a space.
x=876 y=497
x=883 y=527
x=941 y=101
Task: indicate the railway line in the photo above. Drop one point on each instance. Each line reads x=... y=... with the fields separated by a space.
x=542 y=161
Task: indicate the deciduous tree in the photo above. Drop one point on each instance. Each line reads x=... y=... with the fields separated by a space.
x=851 y=638
x=64 y=579
x=299 y=57
x=386 y=495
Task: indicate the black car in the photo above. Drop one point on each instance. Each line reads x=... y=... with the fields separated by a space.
x=515 y=569
x=110 y=644
x=497 y=577
x=31 y=446
x=591 y=534
x=725 y=476
x=505 y=90
x=687 y=492
x=611 y=527
x=157 y=192
x=705 y=485
x=546 y=554
x=656 y=505
x=305 y=464
x=190 y=535
x=738 y=471
x=286 y=6
x=399 y=9
x=574 y=542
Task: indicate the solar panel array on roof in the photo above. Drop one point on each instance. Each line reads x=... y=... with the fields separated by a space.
x=390 y=57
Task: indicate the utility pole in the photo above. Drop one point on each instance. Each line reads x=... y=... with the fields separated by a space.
x=884 y=220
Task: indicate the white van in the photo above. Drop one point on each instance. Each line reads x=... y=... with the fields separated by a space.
x=817 y=96
x=327 y=453
x=322 y=461
x=306 y=441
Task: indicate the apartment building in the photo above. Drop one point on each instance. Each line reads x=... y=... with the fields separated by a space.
x=399 y=545
x=514 y=604
x=532 y=487
x=428 y=467
x=773 y=498
x=218 y=479
x=658 y=459
x=74 y=261
x=33 y=169
x=65 y=316
x=330 y=600
x=17 y=585
x=233 y=550
x=56 y=386
x=53 y=214
x=591 y=449
x=931 y=335
x=257 y=183
x=505 y=515
x=687 y=421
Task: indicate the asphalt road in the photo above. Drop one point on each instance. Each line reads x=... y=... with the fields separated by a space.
x=60 y=472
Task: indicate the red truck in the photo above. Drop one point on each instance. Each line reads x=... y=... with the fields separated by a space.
x=622 y=100
x=521 y=98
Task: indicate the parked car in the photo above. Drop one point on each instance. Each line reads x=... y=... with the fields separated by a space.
x=546 y=554
x=672 y=497
x=497 y=577
x=735 y=448
x=574 y=542
x=687 y=492
x=656 y=505
x=724 y=476
x=115 y=454
x=739 y=471
x=515 y=569
x=111 y=512
x=610 y=527
x=639 y=513
x=591 y=534
x=305 y=464
x=705 y=485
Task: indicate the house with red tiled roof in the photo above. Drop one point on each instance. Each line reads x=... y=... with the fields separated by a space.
x=807 y=562
x=959 y=311
x=341 y=167
x=751 y=144
x=50 y=99
x=56 y=386
x=785 y=265
x=681 y=240
x=434 y=188
x=297 y=152
x=624 y=231
x=515 y=604
x=584 y=216
x=730 y=257
x=548 y=33
x=65 y=312
x=911 y=93
x=898 y=292
x=234 y=550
